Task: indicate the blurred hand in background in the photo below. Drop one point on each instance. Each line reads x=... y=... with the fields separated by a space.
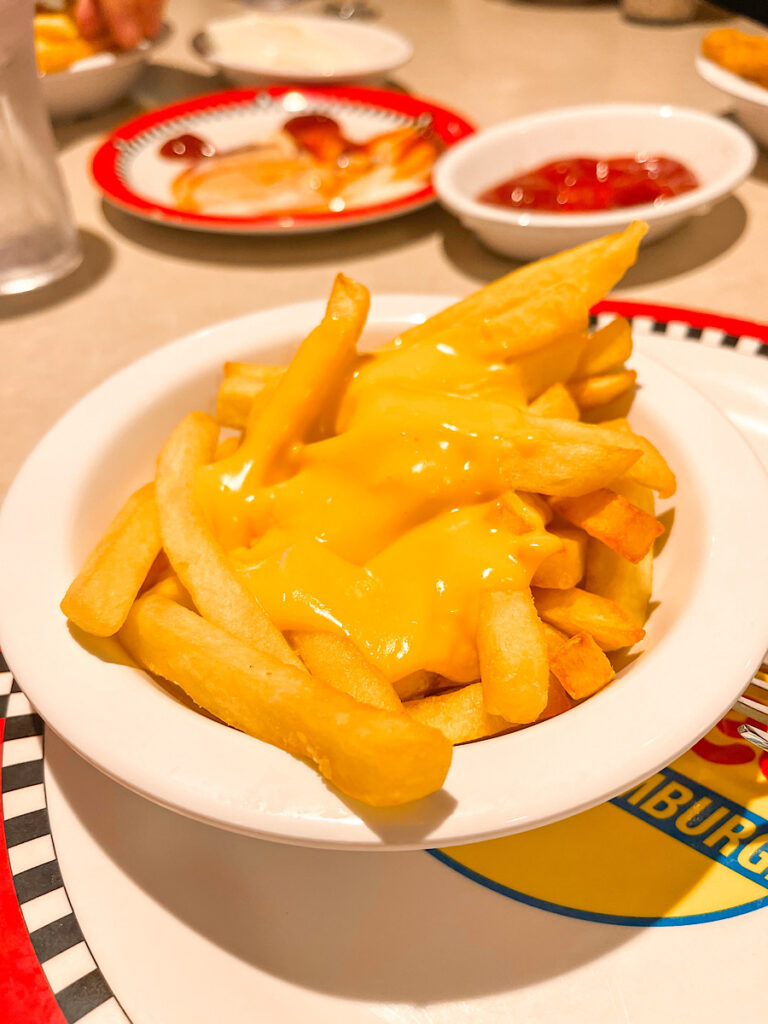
x=126 y=22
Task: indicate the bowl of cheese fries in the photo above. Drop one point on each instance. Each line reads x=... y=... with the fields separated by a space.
x=83 y=76
x=385 y=574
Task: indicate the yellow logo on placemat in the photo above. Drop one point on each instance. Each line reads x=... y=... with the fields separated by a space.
x=688 y=845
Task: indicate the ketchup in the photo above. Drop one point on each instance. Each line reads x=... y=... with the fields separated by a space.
x=186 y=147
x=578 y=183
x=318 y=134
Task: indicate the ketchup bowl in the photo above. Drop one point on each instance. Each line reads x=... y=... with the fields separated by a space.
x=717 y=155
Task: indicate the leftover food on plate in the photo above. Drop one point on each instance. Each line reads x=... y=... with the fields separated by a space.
x=366 y=557
x=576 y=184
x=306 y=166
x=744 y=55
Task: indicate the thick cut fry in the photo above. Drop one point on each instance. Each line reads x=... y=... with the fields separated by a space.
x=651 y=468
x=606 y=349
x=335 y=660
x=237 y=398
x=228 y=446
x=512 y=290
x=171 y=587
x=521 y=512
x=265 y=372
x=591 y=392
x=564 y=568
x=372 y=755
x=610 y=518
x=197 y=559
x=102 y=593
x=558 y=700
x=577 y=611
x=612 y=576
x=553 y=638
x=416 y=684
x=460 y=715
x=553 y=364
x=556 y=402
x=513 y=656
x=648 y=467
x=564 y=306
x=581 y=666
x=316 y=372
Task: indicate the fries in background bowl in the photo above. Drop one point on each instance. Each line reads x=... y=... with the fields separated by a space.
x=402 y=550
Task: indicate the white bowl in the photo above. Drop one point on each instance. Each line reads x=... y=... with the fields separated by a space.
x=750 y=100
x=720 y=155
x=704 y=640
x=96 y=82
x=300 y=48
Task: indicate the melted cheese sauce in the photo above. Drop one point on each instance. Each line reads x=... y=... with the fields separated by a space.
x=388 y=530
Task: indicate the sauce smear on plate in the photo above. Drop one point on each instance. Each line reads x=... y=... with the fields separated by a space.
x=578 y=184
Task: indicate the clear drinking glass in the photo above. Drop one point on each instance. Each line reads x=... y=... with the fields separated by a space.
x=38 y=238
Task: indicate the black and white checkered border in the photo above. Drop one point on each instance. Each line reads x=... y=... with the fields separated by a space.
x=77 y=984
x=679 y=330
x=262 y=103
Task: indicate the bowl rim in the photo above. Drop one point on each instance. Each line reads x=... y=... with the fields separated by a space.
x=731 y=83
x=458 y=201
x=199 y=39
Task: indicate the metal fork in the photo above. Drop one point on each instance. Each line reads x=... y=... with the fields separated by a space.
x=757 y=710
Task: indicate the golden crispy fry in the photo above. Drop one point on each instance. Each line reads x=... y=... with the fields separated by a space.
x=563 y=569
x=606 y=349
x=228 y=446
x=558 y=700
x=416 y=684
x=372 y=755
x=648 y=466
x=102 y=593
x=576 y=611
x=197 y=559
x=335 y=660
x=265 y=372
x=651 y=468
x=563 y=307
x=557 y=402
x=513 y=656
x=316 y=372
x=237 y=399
x=745 y=55
x=581 y=666
x=550 y=365
x=590 y=392
x=58 y=42
x=171 y=587
x=521 y=512
x=460 y=715
x=608 y=574
x=610 y=518
x=554 y=638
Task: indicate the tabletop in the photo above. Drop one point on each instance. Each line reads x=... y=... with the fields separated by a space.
x=142 y=285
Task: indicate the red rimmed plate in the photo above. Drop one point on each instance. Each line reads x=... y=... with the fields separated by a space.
x=132 y=174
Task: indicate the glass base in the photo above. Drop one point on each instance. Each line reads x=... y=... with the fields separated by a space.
x=27 y=279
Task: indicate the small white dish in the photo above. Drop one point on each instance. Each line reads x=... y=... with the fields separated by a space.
x=719 y=154
x=750 y=100
x=701 y=648
x=96 y=82
x=254 y=48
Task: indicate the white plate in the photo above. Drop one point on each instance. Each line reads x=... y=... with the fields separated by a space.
x=704 y=640
x=285 y=48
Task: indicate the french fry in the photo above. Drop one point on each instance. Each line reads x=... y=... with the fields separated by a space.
x=577 y=611
x=460 y=715
x=513 y=656
x=102 y=593
x=610 y=518
x=238 y=397
x=264 y=372
x=557 y=402
x=609 y=575
x=553 y=638
x=372 y=755
x=172 y=588
x=415 y=684
x=606 y=349
x=228 y=446
x=336 y=660
x=553 y=364
x=651 y=468
x=197 y=559
x=581 y=667
x=564 y=568
x=317 y=370
x=521 y=512
x=591 y=392
x=558 y=700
